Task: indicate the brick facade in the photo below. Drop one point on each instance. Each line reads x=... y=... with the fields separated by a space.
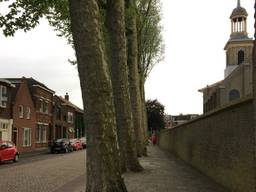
x=38 y=116
x=24 y=118
x=64 y=118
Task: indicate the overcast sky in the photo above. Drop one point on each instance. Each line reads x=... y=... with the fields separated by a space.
x=195 y=33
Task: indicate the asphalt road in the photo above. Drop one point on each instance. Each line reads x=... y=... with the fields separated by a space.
x=45 y=173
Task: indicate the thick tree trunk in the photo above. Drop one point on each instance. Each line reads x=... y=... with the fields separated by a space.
x=134 y=82
x=102 y=163
x=119 y=74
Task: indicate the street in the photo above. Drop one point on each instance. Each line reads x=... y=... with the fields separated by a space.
x=44 y=173
x=66 y=173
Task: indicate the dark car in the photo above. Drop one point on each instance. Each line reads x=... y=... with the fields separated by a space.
x=83 y=141
x=61 y=145
x=76 y=144
x=8 y=151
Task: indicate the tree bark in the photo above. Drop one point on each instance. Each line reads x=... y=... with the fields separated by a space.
x=119 y=74
x=102 y=163
x=134 y=83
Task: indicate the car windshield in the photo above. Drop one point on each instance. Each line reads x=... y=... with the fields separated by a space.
x=3 y=144
x=59 y=140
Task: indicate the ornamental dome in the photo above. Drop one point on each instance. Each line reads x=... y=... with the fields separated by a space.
x=239 y=11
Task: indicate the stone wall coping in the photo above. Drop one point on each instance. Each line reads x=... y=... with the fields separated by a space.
x=213 y=112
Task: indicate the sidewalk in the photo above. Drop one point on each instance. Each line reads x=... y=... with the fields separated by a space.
x=165 y=173
x=34 y=153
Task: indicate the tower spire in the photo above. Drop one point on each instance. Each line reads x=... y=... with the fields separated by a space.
x=238 y=3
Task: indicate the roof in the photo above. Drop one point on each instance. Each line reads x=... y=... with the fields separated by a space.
x=6 y=82
x=31 y=83
x=68 y=103
x=211 y=86
x=239 y=11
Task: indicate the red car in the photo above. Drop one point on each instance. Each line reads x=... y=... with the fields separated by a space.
x=8 y=151
x=76 y=144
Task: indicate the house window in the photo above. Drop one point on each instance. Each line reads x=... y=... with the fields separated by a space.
x=240 y=57
x=21 y=111
x=234 y=94
x=45 y=107
x=26 y=137
x=28 y=113
x=58 y=113
x=41 y=133
x=70 y=117
x=3 y=96
x=41 y=105
x=4 y=126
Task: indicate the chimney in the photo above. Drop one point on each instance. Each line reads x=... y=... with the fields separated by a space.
x=67 y=97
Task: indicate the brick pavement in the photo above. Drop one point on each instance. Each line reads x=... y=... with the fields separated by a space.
x=45 y=175
x=66 y=173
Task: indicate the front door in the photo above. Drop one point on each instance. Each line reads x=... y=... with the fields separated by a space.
x=14 y=136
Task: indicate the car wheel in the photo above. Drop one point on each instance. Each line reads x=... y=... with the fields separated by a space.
x=16 y=158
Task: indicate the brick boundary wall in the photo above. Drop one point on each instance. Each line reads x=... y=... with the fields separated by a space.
x=221 y=144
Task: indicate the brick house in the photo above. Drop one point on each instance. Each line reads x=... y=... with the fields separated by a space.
x=63 y=119
x=24 y=117
x=68 y=121
x=6 y=120
x=42 y=98
x=79 y=123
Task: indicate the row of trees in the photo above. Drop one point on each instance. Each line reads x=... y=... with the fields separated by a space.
x=117 y=42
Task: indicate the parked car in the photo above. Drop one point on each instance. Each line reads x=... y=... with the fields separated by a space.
x=61 y=145
x=8 y=151
x=83 y=141
x=76 y=144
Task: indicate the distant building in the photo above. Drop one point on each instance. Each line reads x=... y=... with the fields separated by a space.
x=32 y=116
x=174 y=120
x=24 y=117
x=6 y=120
x=237 y=82
x=67 y=119
x=37 y=136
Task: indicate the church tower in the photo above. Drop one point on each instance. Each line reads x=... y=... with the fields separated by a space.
x=239 y=47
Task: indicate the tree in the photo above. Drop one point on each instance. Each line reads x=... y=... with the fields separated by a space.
x=134 y=79
x=155 y=113
x=150 y=46
x=119 y=74
x=102 y=154
x=103 y=163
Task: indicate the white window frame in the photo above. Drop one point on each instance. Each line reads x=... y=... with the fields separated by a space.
x=3 y=96
x=29 y=138
x=46 y=107
x=41 y=133
x=21 y=111
x=28 y=113
x=4 y=126
x=41 y=107
x=70 y=117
